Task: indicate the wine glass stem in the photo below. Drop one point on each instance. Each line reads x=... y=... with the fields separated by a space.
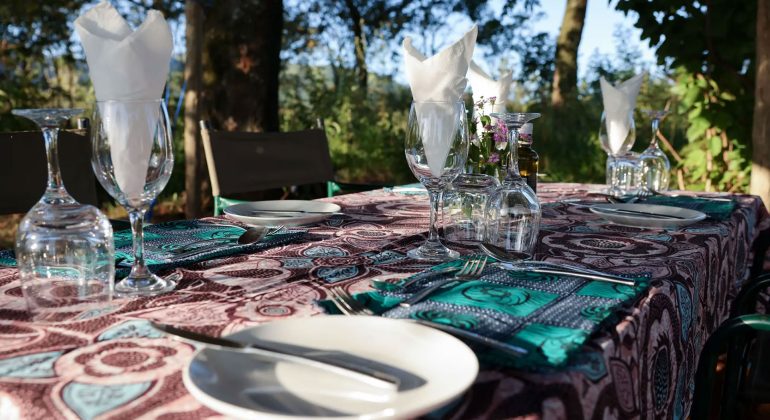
x=655 y=124
x=138 y=270
x=55 y=188
x=513 y=160
x=435 y=202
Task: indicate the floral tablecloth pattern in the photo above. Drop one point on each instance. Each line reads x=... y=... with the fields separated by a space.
x=112 y=364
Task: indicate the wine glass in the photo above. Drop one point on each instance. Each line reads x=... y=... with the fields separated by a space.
x=617 y=137
x=513 y=211
x=132 y=159
x=64 y=249
x=436 y=148
x=655 y=166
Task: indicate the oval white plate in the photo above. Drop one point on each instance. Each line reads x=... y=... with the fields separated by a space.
x=249 y=212
x=688 y=216
x=247 y=386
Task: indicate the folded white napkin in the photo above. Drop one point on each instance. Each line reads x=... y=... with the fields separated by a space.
x=438 y=78
x=618 y=101
x=485 y=86
x=127 y=65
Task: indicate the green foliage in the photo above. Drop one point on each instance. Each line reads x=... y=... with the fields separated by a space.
x=366 y=137
x=710 y=46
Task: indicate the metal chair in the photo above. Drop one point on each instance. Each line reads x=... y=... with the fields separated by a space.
x=243 y=162
x=23 y=172
x=743 y=344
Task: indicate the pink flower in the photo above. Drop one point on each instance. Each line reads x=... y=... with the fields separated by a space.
x=501 y=133
x=493 y=158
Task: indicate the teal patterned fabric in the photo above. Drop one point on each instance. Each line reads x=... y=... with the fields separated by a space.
x=165 y=242
x=715 y=208
x=550 y=316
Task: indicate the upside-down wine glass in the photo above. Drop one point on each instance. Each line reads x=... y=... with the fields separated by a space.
x=64 y=249
x=132 y=159
x=436 y=149
x=654 y=163
x=513 y=211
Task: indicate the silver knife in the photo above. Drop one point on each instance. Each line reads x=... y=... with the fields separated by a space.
x=609 y=278
x=333 y=361
x=637 y=213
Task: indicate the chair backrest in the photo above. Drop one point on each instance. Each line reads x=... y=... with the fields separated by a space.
x=23 y=171
x=242 y=162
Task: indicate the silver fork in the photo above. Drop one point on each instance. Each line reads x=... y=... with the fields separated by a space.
x=471 y=270
x=348 y=305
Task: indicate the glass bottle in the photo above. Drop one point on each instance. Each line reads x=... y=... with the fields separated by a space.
x=528 y=158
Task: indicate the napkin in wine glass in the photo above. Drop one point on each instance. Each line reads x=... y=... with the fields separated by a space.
x=127 y=65
x=440 y=78
x=618 y=101
x=484 y=86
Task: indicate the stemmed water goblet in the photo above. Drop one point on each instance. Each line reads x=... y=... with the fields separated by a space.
x=655 y=166
x=617 y=137
x=513 y=210
x=64 y=249
x=132 y=159
x=436 y=149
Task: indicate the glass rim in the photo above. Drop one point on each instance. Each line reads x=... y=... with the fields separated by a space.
x=108 y=101
x=459 y=101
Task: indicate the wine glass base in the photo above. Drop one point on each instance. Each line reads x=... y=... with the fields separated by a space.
x=144 y=286
x=433 y=253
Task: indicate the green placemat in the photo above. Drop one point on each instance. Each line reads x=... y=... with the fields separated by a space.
x=718 y=209
x=163 y=242
x=550 y=316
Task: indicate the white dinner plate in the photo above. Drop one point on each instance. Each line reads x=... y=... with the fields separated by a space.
x=243 y=385
x=687 y=216
x=297 y=212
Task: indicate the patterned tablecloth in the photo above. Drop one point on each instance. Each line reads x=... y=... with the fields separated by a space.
x=114 y=365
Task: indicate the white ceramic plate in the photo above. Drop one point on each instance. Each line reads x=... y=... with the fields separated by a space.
x=246 y=386
x=688 y=216
x=297 y=212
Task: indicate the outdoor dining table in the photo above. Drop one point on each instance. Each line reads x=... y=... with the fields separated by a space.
x=115 y=365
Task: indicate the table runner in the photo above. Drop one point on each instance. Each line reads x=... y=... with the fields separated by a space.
x=549 y=316
x=114 y=365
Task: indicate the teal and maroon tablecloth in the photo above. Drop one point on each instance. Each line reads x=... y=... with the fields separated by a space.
x=112 y=364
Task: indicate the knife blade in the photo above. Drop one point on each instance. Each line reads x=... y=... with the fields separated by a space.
x=609 y=278
x=337 y=362
x=637 y=213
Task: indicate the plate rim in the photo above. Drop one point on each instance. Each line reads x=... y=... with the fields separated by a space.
x=242 y=412
x=299 y=219
x=643 y=221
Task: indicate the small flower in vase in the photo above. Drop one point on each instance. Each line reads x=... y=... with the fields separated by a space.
x=489 y=140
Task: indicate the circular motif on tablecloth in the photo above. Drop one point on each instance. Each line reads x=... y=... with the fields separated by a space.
x=595 y=245
x=494 y=293
x=661 y=377
x=660 y=359
x=17 y=336
x=134 y=360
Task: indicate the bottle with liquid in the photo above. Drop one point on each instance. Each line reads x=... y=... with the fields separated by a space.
x=528 y=158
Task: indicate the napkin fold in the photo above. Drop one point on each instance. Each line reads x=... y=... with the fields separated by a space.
x=618 y=101
x=130 y=67
x=435 y=81
x=485 y=86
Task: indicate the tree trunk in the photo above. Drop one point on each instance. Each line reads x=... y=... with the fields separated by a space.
x=564 y=86
x=359 y=42
x=192 y=111
x=760 y=166
x=242 y=57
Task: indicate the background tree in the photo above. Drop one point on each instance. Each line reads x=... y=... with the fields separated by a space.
x=565 y=74
x=193 y=79
x=760 y=168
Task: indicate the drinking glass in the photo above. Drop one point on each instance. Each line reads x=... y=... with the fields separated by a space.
x=513 y=210
x=616 y=138
x=436 y=149
x=132 y=159
x=64 y=249
x=465 y=204
x=626 y=172
x=655 y=166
